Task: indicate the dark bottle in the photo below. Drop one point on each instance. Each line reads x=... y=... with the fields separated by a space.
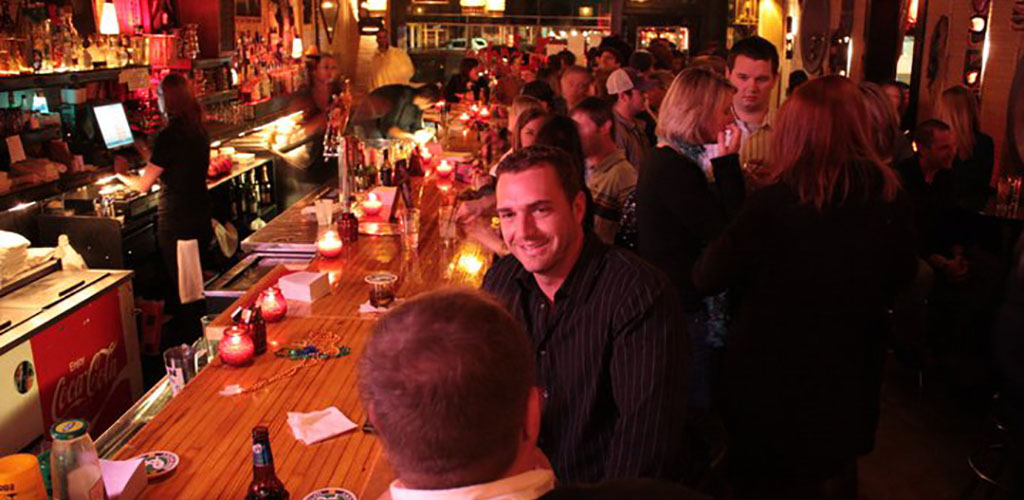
x=253 y=319
x=257 y=196
x=265 y=189
x=265 y=485
x=386 y=169
x=348 y=224
x=233 y=199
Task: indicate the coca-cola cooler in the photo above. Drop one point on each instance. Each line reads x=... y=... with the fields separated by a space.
x=68 y=348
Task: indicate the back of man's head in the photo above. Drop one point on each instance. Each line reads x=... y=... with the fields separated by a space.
x=446 y=378
x=642 y=61
x=755 y=48
x=598 y=110
x=430 y=93
x=925 y=132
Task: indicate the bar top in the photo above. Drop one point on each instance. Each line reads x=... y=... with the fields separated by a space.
x=212 y=433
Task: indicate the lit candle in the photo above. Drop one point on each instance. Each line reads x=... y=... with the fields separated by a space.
x=237 y=348
x=444 y=169
x=273 y=304
x=372 y=204
x=329 y=244
x=474 y=108
x=464 y=117
x=485 y=113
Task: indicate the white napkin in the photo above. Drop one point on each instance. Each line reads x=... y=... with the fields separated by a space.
x=317 y=426
x=190 y=272
x=367 y=308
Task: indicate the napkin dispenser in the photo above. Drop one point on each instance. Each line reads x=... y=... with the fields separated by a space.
x=304 y=286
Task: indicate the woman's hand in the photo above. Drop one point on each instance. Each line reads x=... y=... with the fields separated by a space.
x=729 y=140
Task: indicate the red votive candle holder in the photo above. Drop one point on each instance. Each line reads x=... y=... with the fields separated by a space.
x=329 y=244
x=237 y=347
x=273 y=304
x=372 y=205
x=444 y=170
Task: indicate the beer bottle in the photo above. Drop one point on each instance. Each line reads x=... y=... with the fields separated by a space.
x=265 y=484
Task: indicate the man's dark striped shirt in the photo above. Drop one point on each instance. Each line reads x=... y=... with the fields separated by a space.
x=611 y=358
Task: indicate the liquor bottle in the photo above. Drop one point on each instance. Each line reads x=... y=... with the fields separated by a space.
x=386 y=170
x=266 y=193
x=265 y=485
x=254 y=194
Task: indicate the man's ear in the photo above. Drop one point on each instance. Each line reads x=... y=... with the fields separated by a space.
x=579 y=206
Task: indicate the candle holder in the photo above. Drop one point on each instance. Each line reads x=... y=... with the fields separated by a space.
x=372 y=205
x=237 y=347
x=445 y=169
x=273 y=304
x=329 y=244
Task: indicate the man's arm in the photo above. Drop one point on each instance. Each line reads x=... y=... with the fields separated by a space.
x=649 y=366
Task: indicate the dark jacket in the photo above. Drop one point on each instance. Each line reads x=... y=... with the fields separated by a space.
x=678 y=212
x=804 y=355
x=972 y=177
x=937 y=219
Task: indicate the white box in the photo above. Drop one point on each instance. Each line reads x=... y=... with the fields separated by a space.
x=304 y=286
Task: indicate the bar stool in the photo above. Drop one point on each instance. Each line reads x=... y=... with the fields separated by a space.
x=988 y=461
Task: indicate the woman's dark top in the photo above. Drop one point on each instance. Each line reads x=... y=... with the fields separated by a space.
x=972 y=177
x=678 y=212
x=804 y=355
x=184 y=155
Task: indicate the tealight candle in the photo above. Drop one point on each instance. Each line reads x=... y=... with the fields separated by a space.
x=372 y=204
x=329 y=244
x=273 y=304
x=485 y=113
x=445 y=169
x=464 y=117
x=237 y=347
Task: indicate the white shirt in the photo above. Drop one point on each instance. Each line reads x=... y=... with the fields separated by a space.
x=390 y=67
x=526 y=486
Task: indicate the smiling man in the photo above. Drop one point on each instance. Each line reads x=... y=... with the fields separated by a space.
x=754 y=70
x=610 y=349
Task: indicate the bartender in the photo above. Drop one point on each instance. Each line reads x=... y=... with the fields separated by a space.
x=179 y=161
x=395 y=112
x=307 y=173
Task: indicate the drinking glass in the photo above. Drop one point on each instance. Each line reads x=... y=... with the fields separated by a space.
x=409 y=224
x=446 y=224
x=180 y=362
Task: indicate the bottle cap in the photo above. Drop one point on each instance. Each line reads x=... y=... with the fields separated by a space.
x=71 y=428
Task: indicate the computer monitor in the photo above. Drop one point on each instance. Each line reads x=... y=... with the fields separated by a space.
x=113 y=125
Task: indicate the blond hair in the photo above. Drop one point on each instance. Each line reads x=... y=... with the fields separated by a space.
x=882 y=119
x=693 y=99
x=958 y=107
x=822 y=147
x=520 y=105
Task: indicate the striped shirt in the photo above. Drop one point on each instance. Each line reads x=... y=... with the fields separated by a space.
x=612 y=357
x=755 y=140
x=610 y=181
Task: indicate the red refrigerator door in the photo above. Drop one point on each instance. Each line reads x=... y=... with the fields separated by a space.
x=83 y=366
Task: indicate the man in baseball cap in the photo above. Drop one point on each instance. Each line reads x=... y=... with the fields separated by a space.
x=629 y=90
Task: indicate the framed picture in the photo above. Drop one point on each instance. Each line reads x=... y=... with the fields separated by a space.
x=745 y=12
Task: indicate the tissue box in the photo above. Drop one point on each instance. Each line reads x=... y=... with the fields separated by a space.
x=124 y=479
x=304 y=286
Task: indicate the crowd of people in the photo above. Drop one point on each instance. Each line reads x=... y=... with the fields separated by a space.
x=671 y=245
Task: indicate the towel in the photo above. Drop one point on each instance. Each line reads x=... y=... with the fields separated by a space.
x=317 y=426
x=190 y=273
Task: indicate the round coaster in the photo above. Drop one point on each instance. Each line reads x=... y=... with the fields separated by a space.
x=331 y=494
x=159 y=463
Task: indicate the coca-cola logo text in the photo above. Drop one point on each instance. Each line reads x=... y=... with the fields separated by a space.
x=74 y=389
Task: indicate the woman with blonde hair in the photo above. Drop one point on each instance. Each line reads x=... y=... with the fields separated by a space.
x=677 y=209
x=891 y=145
x=975 y=151
x=814 y=262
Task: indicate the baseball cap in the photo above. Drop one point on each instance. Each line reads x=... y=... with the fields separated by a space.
x=624 y=79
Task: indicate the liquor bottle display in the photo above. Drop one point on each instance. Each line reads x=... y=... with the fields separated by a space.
x=265 y=485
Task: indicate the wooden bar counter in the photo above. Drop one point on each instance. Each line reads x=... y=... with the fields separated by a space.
x=212 y=433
